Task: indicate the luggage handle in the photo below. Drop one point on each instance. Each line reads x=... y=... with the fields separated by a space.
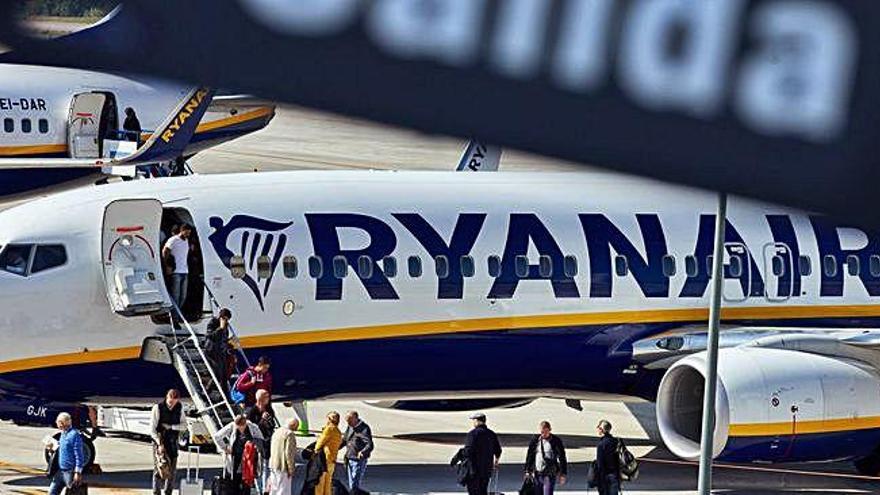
x=189 y=451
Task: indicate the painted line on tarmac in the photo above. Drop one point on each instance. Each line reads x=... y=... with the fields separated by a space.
x=763 y=469
x=27 y=470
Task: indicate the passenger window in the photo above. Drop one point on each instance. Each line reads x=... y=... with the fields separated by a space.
x=316 y=267
x=467 y=266
x=778 y=265
x=853 y=265
x=736 y=267
x=829 y=265
x=545 y=266
x=8 y=125
x=26 y=126
x=441 y=266
x=570 y=266
x=709 y=260
x=668 y=265
x=365 y=267
x=291 y=270
x=236 y=266
x=15 y=258
x=620 y=266
x=49 y=256
x=389 y=266
x=340 y=266
x=494 y=266
x=690 y=266
x=805 y=267
x=414 y=265
x=264 y=267
x=874 y=265
x=44 y=126
x=522 y=266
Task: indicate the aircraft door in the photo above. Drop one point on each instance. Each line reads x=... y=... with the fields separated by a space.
x=131 y=257
x=92 y=116
x=777 y=272
x=737 y=272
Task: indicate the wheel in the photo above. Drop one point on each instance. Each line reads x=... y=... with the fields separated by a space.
x=869 y=466
x=88 y=449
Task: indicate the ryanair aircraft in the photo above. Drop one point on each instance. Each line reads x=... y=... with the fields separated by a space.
x=51 y=119
x=467 y=286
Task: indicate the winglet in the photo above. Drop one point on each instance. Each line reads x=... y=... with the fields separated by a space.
x=478 y=157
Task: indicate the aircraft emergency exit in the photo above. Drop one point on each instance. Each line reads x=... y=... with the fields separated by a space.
x=440 y=295
x=57 y=118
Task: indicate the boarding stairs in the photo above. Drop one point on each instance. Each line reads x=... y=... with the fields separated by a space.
x=207 y=391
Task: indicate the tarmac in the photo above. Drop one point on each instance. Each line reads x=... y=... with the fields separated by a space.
x=413 y=448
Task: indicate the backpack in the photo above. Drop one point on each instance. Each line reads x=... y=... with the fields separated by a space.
x=629 y=465
x=249 y=464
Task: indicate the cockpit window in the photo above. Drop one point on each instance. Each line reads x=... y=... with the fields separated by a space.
x=48 y=256
x=15 y=258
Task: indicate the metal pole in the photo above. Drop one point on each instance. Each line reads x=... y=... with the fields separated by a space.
x=706 y=443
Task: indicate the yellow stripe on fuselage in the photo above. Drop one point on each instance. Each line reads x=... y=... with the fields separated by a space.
x=46 y=149
x=416 y=329
x=803 y=427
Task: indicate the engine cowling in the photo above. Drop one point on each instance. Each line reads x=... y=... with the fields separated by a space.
x=773 y=406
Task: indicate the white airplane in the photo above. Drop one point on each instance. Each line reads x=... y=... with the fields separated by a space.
x=51 y=119
x=436 y=285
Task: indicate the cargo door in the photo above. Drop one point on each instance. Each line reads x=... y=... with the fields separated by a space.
x=131 y=257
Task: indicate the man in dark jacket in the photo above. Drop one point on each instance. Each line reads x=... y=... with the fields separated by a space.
x=607 y=460
x=546 y=460
x=217 y=342
x=484 y=451
x=358 y=441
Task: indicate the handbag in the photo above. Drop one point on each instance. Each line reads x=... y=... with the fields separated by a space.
x=593 y=475
x=528 y=486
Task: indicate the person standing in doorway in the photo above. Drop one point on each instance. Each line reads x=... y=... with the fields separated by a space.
x=358 y=447
x=175 y=253
x=546 y=460
x=132 y=126
x=484 y=450
x=607 y=460
x=166 y=423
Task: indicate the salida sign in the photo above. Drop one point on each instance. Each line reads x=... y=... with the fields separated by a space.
x=769 y=98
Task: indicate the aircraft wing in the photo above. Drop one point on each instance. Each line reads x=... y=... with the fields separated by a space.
x=479 y=157
x=662 y=351
x=239 y=103
x=166 y=144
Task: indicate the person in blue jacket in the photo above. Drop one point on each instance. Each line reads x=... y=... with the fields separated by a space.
x=71 y=456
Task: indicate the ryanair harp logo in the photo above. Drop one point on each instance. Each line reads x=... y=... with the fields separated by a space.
x=244 y=243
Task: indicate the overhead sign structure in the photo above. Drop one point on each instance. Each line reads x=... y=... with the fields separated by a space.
x=770 y=98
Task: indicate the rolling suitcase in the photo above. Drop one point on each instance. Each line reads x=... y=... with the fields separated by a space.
x=192 y=484
x=223 y=484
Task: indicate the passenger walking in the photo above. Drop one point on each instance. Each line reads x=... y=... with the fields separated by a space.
x=235 y=438
x=282 y=459
x=166 y=421
x=263 y=415
x=175 y=253
x=71 y=456
x=358 y=447
x=607 y=460
x=330 y=440
x=484 y=451
x=257 y=377
x=546 y=461
x=217 y=344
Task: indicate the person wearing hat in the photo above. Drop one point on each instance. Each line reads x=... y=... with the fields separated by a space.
x=484 y=451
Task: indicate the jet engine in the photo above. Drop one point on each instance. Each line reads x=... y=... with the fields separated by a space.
x=773 y=405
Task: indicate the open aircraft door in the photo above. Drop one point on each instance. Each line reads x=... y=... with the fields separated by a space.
x=91 y=116
x=131 y=257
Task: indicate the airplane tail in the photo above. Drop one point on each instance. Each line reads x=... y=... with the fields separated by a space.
x=479 y=157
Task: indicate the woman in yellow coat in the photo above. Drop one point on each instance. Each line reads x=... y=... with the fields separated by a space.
x=330 y=440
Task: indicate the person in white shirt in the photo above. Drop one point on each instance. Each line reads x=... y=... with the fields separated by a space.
x=175 y=253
